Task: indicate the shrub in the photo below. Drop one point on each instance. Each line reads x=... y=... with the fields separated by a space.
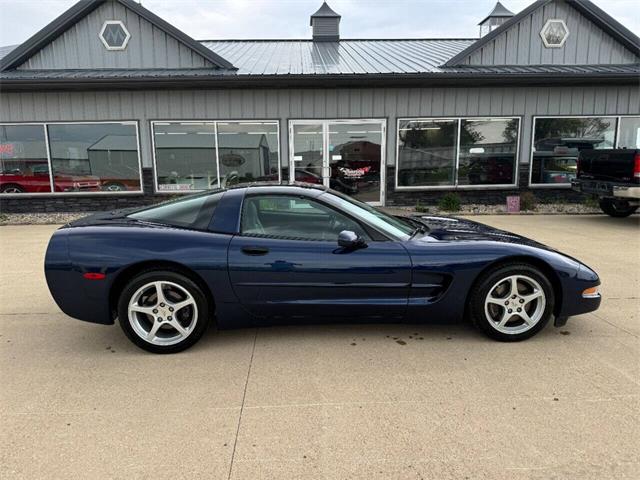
x=528 y=201
x=450 y=202
x=421 y=208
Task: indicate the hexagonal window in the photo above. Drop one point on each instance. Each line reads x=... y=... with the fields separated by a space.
x=114 y=35
x=554 y=33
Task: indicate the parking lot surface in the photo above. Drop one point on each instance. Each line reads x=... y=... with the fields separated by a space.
x=342 y=401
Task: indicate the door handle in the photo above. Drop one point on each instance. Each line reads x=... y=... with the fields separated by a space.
x=255 y=251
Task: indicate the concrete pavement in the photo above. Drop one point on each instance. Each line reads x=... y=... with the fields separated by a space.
x=79 y=401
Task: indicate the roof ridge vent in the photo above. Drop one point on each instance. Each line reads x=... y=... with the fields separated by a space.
x=325 y=24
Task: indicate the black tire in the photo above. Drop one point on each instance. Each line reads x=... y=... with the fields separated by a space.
x=149 y=276
x=114 y=187
x=11 y=188
x=482 y=287
x=617 y=208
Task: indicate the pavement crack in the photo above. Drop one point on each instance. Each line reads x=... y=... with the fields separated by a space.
x=244 y=394
x=614 y=325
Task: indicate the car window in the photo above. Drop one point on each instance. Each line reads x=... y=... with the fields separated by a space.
x=193 y=211
x=299 y=218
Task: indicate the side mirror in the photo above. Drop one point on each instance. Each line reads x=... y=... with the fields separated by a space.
x=349 y=239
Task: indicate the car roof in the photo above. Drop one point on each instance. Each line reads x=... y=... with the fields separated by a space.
x=278 y=187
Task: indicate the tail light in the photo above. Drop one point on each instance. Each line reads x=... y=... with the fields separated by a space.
x=636 y=168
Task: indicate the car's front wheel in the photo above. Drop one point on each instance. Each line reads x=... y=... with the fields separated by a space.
x=163 y=311
x=512 y=302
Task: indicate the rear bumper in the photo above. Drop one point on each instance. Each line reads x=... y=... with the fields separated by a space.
x=606 y=189
x=626 y=192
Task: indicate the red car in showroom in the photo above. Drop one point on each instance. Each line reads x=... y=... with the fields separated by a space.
x=36 y=180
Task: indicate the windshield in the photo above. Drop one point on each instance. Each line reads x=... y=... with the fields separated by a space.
x=392 y=226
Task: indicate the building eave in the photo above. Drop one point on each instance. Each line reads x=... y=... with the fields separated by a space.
x=322 y=81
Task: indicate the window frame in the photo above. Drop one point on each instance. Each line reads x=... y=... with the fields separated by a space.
x=45 y=126
x=616 y=139
x=215 y=122
x=456 y=185
x=373 y=234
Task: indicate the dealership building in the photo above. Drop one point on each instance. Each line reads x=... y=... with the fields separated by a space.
x=110 y=106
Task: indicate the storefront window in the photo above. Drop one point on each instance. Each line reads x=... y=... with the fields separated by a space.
x=192 y=156
x=94 y=157
x=24 y=165
x=426 y=152
x=558 y=141
x=488 y=151
x=185 y=155
x=248 y=151
x=629 y=136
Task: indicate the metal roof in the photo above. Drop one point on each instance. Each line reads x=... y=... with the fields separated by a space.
x=302 y=57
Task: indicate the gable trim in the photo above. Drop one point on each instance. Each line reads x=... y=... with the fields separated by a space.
x=595 y=14
x=57 y=27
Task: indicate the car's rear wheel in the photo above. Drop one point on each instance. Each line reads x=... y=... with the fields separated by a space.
x=512 y=302
x=617 y=208
x=163 y=311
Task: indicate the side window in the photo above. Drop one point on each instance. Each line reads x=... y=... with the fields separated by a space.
x=281 y=216
x=193 y=211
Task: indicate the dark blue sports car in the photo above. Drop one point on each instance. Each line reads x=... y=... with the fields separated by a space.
x=264 y=253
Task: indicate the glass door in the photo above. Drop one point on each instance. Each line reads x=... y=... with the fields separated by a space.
x=307 y=153
x=345 y=155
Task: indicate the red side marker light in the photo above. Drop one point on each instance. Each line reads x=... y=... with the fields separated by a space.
x=94 y=276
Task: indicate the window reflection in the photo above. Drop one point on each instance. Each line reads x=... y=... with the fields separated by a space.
x=558 y=141
x=94 y=157
x=427 y=152
x=24 y=167
x=248 y=151
x=187 y=158
x=488 y=151
x=629 y=132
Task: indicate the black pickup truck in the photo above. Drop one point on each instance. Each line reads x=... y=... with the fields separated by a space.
x=614 y=176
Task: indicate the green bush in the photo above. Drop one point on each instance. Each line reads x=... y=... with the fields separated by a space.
x=450 y=202
x=528 y=201
x=421 y=208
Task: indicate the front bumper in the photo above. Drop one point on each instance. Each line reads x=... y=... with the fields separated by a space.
x=574 y=302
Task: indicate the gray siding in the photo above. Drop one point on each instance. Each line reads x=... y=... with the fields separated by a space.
x=79 y=47
x=283 y=105
x=521 y=44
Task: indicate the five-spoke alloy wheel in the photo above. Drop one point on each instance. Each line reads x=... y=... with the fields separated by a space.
x=512 y=302
x=163 y=311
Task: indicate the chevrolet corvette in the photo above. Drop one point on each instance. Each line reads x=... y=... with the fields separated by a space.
x=263 y=254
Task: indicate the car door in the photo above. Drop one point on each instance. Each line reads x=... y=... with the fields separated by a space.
x=286 y=262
